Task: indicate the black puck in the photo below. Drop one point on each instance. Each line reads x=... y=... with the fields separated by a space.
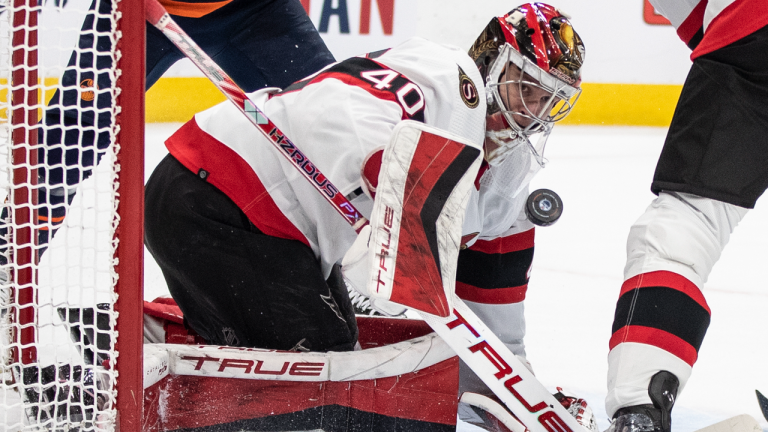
x=544 y=207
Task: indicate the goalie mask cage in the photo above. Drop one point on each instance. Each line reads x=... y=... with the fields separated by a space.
x=72 y=178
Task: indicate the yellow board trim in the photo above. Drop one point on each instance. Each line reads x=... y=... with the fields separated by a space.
x=625 y=105
x=178 y=99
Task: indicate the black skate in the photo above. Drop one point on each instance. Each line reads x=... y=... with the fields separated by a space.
x=64 y=398
x=654 y=417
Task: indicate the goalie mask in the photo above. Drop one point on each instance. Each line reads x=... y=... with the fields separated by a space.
x=531 y=62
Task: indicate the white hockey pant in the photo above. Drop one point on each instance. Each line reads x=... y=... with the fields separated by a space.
x=679 y=233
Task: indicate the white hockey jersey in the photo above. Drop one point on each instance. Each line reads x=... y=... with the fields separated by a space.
x=338 y=117
x=706 y=25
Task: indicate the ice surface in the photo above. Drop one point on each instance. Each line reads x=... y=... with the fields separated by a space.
x=603 y=175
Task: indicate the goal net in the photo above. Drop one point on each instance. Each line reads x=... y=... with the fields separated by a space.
x=71 y=179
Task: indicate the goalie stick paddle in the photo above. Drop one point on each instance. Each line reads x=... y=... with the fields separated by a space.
x=763 y=402
x=159 y=17
x=463 y=331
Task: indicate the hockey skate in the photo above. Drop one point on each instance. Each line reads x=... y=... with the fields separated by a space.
x=89 y=329
x=64 y=398
x=654 y=417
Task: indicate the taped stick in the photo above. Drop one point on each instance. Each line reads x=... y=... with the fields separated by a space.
x=463 y=331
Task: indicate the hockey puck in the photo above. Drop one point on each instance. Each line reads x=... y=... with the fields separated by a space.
x=544 y=207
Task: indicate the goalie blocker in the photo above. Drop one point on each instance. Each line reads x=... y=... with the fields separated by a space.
x=409 y=254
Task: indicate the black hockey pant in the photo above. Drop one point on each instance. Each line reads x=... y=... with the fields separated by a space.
x=236 y=285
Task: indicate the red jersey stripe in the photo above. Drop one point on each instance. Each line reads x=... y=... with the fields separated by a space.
x=693 y=23
x=375 y=78
x=658 y=338
x=491 y=296
x=502 y=245
x=365 y=85
x=232 y=175
x=740 y=19
x=669 y=280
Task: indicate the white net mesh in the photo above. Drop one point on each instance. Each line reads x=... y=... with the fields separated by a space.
x=57 y=304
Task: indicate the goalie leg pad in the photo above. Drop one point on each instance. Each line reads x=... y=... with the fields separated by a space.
x=424 y=184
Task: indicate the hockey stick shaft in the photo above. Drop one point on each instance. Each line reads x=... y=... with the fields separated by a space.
x=159 y=17
x=467 y=335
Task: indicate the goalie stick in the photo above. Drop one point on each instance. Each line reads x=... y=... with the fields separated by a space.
x=462 y=330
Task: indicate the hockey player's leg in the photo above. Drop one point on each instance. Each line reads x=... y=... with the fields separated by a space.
x=274 y=38
x=257 y=43
x=713 y=158
x=236 y=285
x=89 y=329
x=671 y=250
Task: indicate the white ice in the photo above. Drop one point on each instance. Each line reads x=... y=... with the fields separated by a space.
x=603 y=175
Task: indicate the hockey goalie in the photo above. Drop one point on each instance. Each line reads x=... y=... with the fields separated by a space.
x=436 y=148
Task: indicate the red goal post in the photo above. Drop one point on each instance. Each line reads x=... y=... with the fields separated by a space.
x=87 y=279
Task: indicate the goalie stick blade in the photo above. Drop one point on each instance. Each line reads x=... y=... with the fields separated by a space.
x=739 y=423
x=763 y=401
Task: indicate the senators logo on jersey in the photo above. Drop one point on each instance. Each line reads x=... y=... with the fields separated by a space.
x=468 y=91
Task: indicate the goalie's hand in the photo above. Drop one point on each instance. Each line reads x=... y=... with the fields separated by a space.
x=356 y=271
